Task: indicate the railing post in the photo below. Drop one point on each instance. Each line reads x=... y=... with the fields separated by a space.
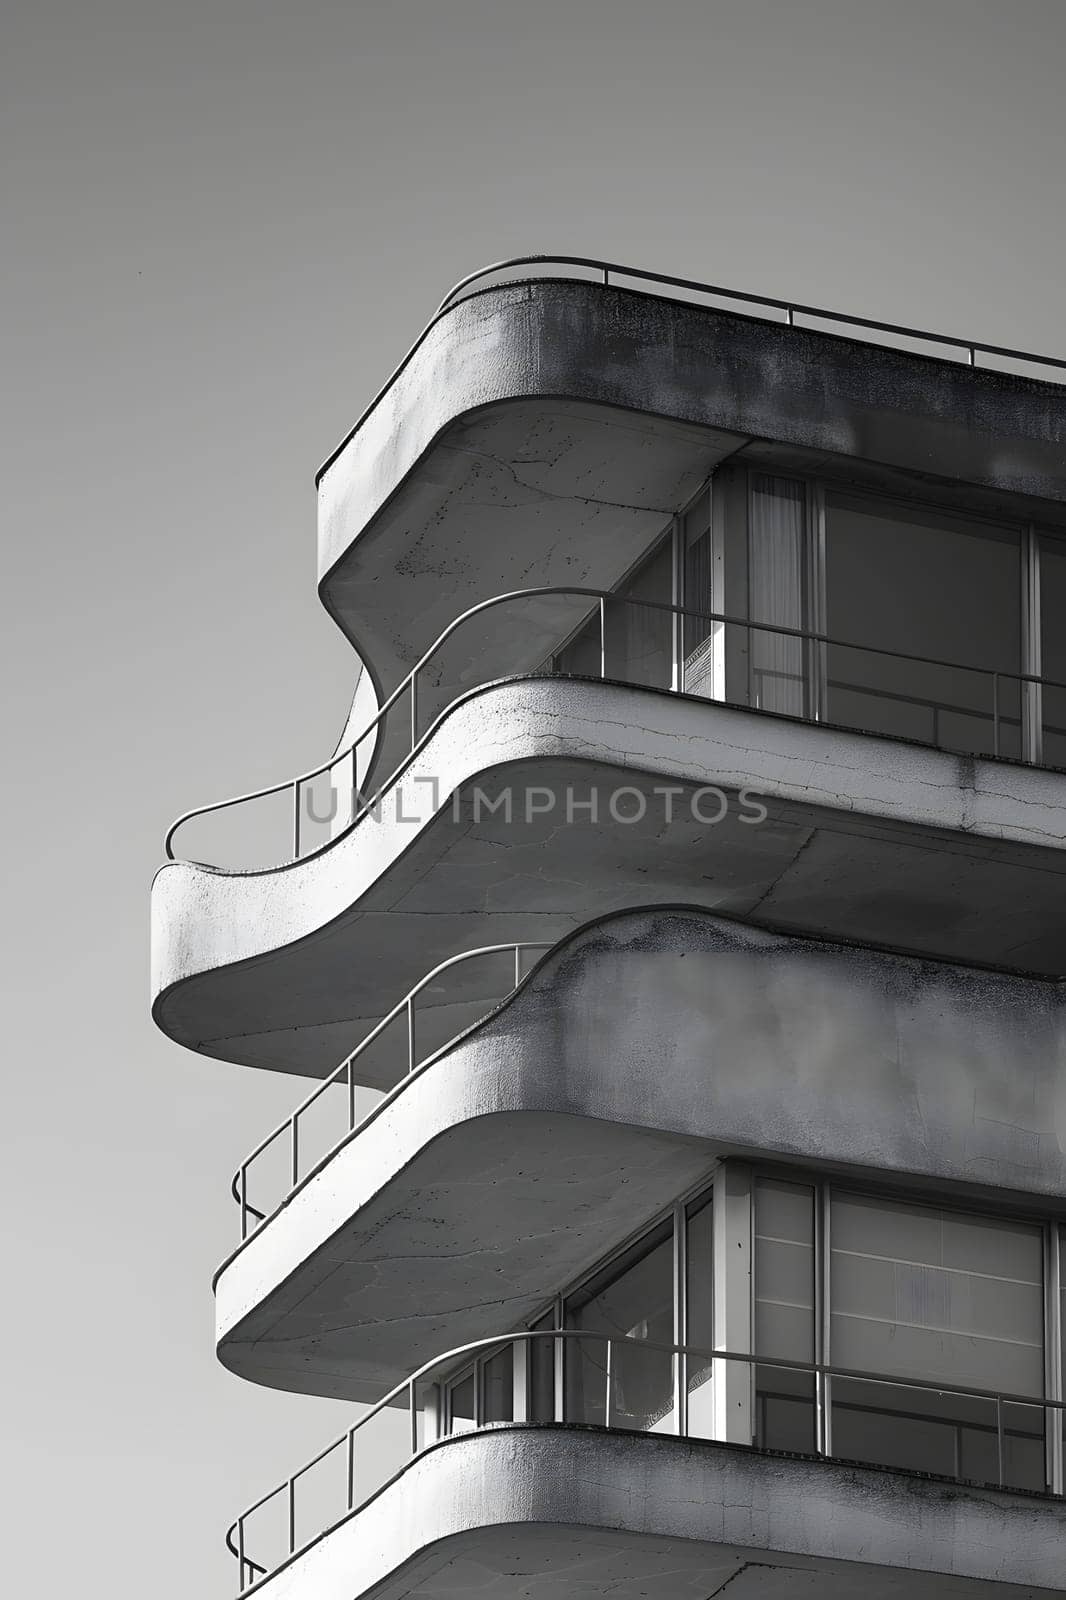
x=292 y=1516
x=244 y=1201
x=351 y=1094
x=241 y=1559
x=296 y=819
x=414 y=708
x=517 y=965
x=410 y=1033
x=351 y=1469
x=412 y=1402
x=603 y=636
x=295 y=1150
x=999 y=1437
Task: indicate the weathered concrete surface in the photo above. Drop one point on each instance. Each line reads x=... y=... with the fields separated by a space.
x=550 y=1513
x=531 y=493
x=637 y=1054
x=543 y=433
x=866 y=838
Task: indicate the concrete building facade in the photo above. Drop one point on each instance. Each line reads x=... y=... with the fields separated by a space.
x=675 y=941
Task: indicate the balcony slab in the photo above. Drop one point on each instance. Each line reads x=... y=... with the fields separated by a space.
x=635 y=1056
x=864 y=838
x=543 y=1513
x=544 y=433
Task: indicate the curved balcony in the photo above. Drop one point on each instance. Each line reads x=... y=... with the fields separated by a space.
x=620 y=1054
x=860 y=836
x=555 y=413
x=395 y=1049
x=553 y=1383
x=604 y=636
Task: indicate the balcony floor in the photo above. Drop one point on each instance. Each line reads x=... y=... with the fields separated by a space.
x=553 y=1513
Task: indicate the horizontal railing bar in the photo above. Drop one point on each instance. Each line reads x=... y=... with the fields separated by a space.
x=745 y=297
x=602 y=597
x=407 y=1387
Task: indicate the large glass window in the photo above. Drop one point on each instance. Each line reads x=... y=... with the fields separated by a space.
x=638 y=637
x=944 y=1298
x=935 y=1333
x=632 y=1301
x=917 y=583
x=784 y=1314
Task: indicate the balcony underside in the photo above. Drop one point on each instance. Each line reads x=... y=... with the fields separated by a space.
x=866 y=839
x=649 y=1046
x=538 y=1513
x=544 y=434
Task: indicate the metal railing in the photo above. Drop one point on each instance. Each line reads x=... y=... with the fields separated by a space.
x=405 y=1013
x=789 y=313
x=420 y=1412
x=397 y=730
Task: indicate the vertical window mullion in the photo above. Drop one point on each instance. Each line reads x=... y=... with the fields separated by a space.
x=816 y=605
x=823 y=1312
x=678 y=601
x=680 y=1319
x=1031 y=697
x=1055 y=1379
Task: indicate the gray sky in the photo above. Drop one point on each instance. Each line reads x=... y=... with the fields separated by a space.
x=223 y=223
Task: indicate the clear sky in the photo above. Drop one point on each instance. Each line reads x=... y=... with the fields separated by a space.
x=223 y=222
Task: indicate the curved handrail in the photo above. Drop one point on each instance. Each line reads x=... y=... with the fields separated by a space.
x=386 y=706
x=481 y=280
x=346 y=1072
x=444 y=1365
x=602 y=598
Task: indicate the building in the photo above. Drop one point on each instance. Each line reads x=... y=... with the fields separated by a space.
x=677 y=933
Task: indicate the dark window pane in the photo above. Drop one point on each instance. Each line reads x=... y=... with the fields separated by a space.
x=635 y=1303
x=541 y=1358
x=910 y=580
x=1053 y=647
x=497 y=1386
x=461 y=1396
x=944 y=1297
x=784 y=1314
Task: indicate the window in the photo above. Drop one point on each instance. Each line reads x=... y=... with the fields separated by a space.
x=481 y=1392
x=784 y=1314
x=926 y=610
x=924 y=1331
x=941 y=1297
x=633 y=1300
x=915 y=582
x=639 y=639
x=777 y=568
x=1052 y=552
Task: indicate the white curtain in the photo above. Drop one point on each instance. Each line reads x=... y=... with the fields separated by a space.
x=776 y=564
